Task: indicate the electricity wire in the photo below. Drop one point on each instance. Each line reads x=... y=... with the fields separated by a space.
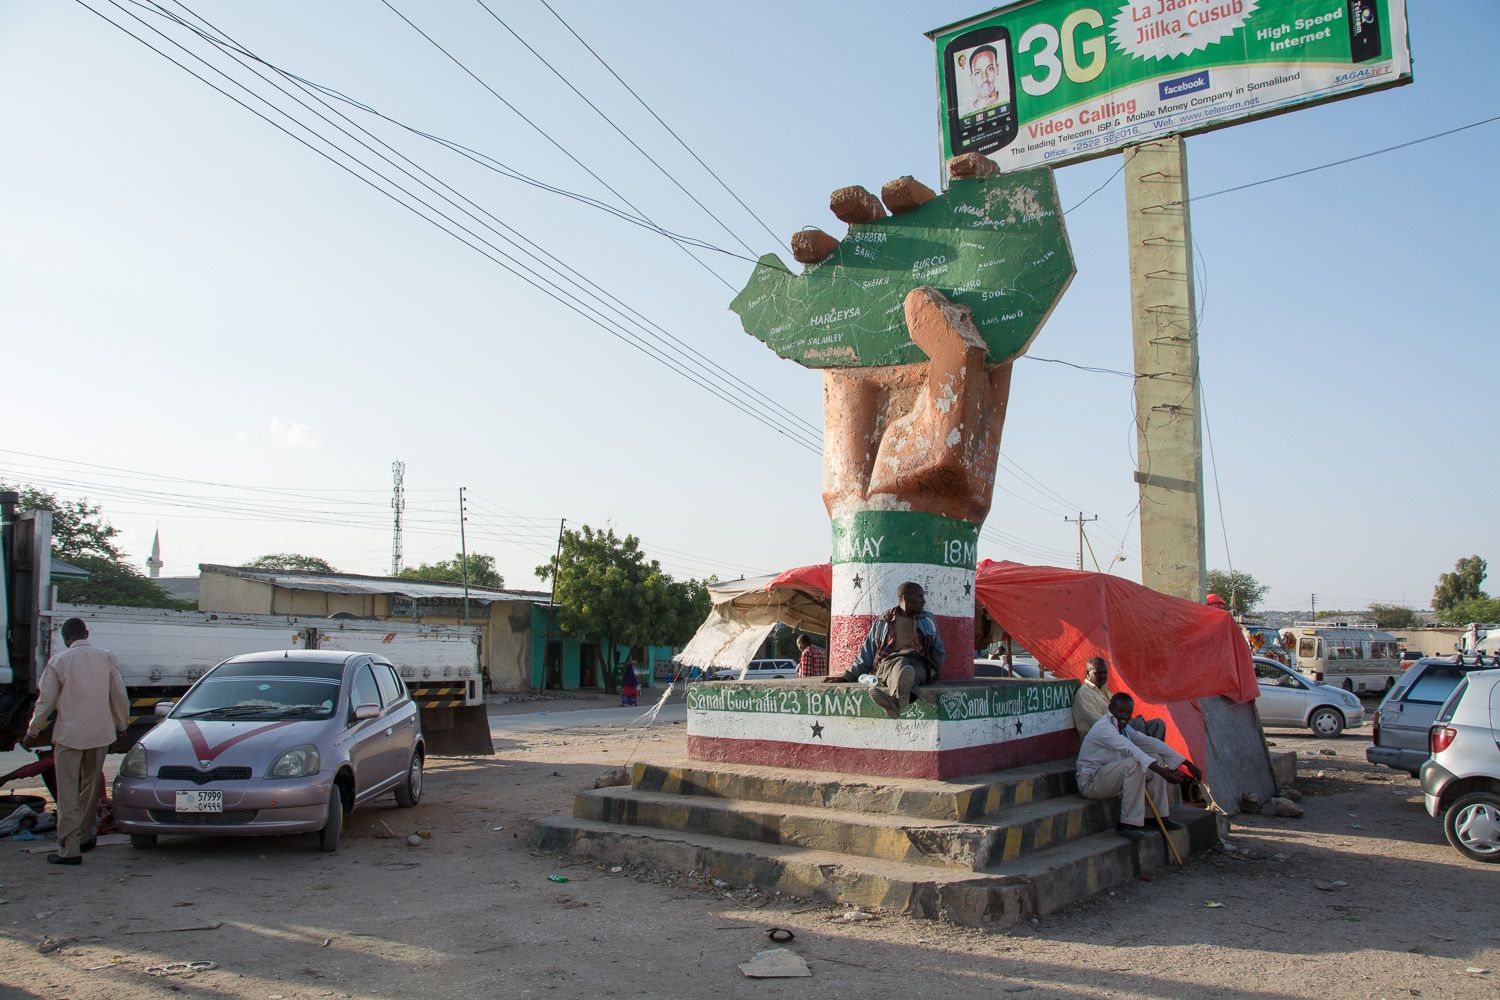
x=649 y=158
x=687 y=352
x=543 y=132
x=545 y=286
x=664 y=125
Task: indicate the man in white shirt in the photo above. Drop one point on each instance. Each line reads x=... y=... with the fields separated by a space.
x=1116 y=759
x=84 y=685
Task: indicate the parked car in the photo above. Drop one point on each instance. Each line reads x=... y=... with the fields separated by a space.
x=1410 y=657
x=765 y=670
x=272 y=743
x=1408 y=711
x=1288 y=698
x=1020 y=666
x=1461 y=778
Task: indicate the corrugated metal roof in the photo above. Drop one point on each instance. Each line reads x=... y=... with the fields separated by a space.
x=68 y=571
x=350 y=583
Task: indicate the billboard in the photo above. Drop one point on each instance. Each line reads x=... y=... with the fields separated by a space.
x=1058 y=81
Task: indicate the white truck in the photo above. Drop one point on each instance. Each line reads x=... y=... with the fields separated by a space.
x=162 y=652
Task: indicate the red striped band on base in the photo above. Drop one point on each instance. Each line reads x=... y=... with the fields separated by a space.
x=888 y=763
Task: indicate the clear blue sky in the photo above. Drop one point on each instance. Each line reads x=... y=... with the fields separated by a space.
x=190 y=293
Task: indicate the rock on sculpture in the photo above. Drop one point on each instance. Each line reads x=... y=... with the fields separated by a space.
x=915 y=318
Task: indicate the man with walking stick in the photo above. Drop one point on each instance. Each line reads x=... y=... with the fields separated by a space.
x=1116 y=759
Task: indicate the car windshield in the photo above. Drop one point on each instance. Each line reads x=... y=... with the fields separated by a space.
x=265 y=697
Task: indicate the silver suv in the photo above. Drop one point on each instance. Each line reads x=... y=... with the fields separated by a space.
x=1461 y=779
x=1408 y=711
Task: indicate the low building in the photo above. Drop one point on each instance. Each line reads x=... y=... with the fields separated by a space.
x=520 y=644
x=502 y=617
x=563 y=662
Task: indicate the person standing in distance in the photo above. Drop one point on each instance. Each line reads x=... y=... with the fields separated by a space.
x=84 y=685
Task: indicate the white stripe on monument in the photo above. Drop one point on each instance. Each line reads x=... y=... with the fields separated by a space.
x=876 y=593
x=876 y=734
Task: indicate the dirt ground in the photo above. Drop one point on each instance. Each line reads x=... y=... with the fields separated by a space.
x=471 y=913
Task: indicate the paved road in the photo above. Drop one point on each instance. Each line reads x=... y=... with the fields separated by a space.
x=614 y=717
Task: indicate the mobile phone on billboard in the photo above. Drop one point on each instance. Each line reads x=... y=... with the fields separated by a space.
x=981 y=91
x=1364 y=31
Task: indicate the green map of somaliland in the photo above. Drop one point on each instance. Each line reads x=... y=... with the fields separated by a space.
x=996 y=245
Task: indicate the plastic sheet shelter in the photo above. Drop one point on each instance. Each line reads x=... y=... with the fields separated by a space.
x=1165 y=651
x=745 y=612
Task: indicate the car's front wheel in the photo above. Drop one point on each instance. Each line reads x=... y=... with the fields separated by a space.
x=1326 y=722
x=409 y=792
x=328 y=839
x=1472 y=824
x=143 y=841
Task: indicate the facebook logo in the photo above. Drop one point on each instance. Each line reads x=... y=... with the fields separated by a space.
x=1183 y=85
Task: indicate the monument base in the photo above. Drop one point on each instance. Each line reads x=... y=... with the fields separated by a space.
x=951 y=728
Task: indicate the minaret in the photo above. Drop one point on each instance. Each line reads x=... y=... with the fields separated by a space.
x=154 y=563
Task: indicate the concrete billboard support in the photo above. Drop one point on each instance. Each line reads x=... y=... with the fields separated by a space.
x=1169 y=435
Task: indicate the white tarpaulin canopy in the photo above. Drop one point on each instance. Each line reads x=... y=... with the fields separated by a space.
x=744 y=613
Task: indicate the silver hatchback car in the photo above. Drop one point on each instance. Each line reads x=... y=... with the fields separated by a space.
x=1461 y=780
x=273 y=743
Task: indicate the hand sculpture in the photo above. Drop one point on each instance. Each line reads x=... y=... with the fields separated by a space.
x=915 y=319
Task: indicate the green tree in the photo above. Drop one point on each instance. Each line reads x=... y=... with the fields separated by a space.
x=1460 y=585
x=608 y=592
x=482 y=572
x=1241 y=591
x=1389 y=616
x=291 y=561
x=1480 y=609
x=82 y=537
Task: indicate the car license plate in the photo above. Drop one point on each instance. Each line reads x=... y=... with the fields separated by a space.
x=200 y=802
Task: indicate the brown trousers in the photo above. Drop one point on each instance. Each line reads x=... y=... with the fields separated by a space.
x=77 y=795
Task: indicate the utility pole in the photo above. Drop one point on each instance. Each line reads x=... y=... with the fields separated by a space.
x=1081 y=520
x=552 y=608
x=1314 y=611
x=398 y=504
x=1169 y=428
x=463 y=550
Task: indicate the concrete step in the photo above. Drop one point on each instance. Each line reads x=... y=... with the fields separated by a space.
x=1006 y=894
x=994 y=840
x=954 y=800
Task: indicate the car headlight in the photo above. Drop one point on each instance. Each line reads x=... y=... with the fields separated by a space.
x=1350 y=700
x=134 y=764
x=298 y=762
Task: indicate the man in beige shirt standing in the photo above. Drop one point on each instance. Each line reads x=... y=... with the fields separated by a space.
x=84 y=685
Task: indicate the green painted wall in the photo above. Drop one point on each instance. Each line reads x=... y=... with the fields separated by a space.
x=572 y=655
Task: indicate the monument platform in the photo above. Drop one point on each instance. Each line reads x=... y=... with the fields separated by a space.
x=951 y=728
x=990 y=849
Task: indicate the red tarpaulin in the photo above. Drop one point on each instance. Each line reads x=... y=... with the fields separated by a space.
x=1165 y=651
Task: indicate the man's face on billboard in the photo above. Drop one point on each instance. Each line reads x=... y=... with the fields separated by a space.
x=982 y=70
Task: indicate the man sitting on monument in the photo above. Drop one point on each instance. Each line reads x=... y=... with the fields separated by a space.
x=1118 y=760
x=902 y=650
x=1092 y=702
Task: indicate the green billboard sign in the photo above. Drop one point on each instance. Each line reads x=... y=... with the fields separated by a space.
x=1057 y=81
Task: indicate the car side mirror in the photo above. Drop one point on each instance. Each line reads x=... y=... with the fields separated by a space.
x=164 y=708
x=366 y=711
